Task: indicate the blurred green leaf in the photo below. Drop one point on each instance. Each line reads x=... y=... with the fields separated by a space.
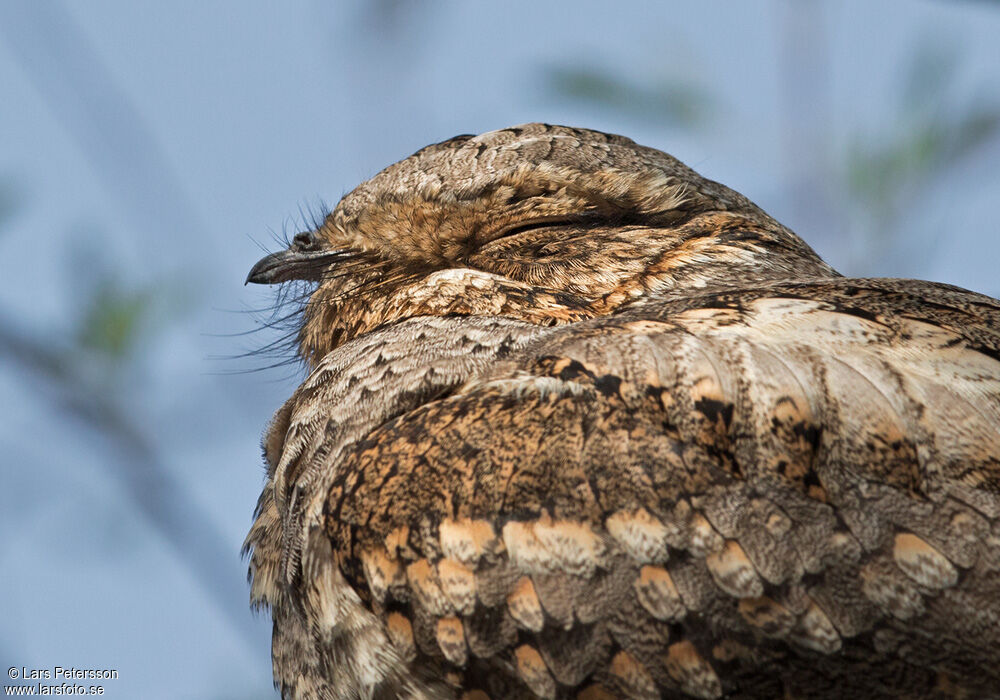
x=883 y=174
x=678 y=103
x=114 y=320
x=116 y=315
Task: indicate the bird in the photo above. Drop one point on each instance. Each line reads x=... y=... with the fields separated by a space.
x=578 y=422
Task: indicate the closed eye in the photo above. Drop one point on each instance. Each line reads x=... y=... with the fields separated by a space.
x=586 y=220
x=533 y=224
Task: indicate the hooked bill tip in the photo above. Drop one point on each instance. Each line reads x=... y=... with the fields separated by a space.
x=292 y=264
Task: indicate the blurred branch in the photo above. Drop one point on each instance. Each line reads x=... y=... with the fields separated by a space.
x=82 y=94
x=85 y=375
x=111 y=132
x=157 y=494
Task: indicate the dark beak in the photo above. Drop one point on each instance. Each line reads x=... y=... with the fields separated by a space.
x=293 y=264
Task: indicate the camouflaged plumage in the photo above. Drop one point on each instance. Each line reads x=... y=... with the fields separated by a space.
x=583 y=424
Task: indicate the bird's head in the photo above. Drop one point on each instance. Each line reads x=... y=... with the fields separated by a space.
x=544 y=223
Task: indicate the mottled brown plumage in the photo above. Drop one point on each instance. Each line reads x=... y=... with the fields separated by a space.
x=583 y=424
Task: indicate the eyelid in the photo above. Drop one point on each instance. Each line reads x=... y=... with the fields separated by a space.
x=540 y=222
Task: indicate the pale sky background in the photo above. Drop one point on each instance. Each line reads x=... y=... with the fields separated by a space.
x=156 y=144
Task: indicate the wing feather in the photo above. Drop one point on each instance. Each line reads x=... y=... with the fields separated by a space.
x=667 y=500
